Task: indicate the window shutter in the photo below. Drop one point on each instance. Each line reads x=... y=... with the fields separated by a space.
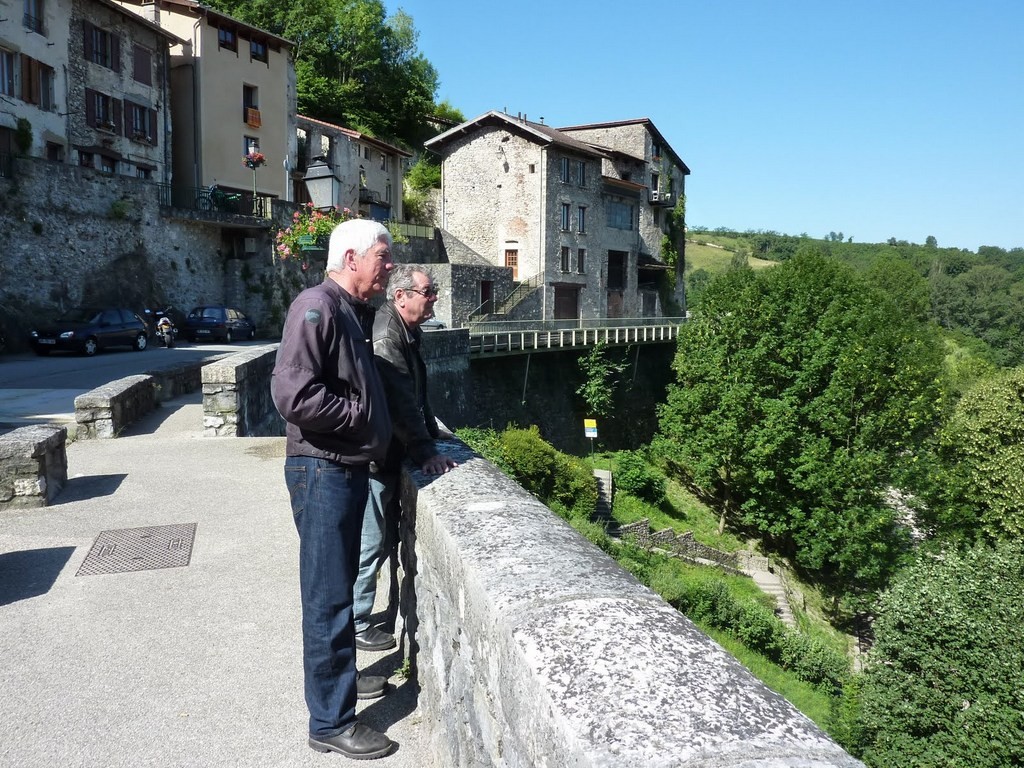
x=152 y=128
x=26 y=79
x=90 y=107
x=115 y=52
x=116 y=106
x=87 y=40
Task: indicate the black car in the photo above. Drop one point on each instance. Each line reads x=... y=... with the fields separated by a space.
x=89 y=329
x=217 y=323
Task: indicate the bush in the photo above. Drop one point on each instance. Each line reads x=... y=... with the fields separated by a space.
x=634 y=475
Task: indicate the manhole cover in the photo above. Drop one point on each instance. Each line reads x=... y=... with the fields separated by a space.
x=140 y=549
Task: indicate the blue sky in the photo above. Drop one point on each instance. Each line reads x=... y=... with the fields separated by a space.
x=877 y=119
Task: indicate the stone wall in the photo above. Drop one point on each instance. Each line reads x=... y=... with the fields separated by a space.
x=534 y=648
x=103 y=412
x=236 y=395
x=73 y=236
x=33 y=466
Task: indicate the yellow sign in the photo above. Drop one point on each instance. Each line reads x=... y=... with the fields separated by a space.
x=590 y=428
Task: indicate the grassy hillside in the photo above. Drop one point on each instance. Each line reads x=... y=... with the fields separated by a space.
x=715 y=258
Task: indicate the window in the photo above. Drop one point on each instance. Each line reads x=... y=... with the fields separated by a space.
x=258 y=51
x=142 y=65
x=46 y=89
x=564 y=170
x=581 y=260
x=108 y=164
x=387 y=193
x=226 y=39
x=565 y=258
x=54 y=152
x=85 y=159
x=141 y=122
x=655 y=179
x=33 y=18
x=533 y=168
x=143 y=173
x=581 y=219
x=250 y=144
x=366 y=153
x=102 y=112
x=102 y=47
x=620 y=215
x=565 y=217
x=655 y=151
x=383 y=161
x=6 y=72
x=581 y=173
x=251 y=106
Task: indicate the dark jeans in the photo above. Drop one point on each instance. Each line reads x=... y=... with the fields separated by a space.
x=328 y=500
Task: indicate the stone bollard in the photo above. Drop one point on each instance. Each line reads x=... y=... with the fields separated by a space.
x=33 y=466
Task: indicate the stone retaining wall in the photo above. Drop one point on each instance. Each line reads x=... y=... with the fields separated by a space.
x=33 y=466
x=236 y=395
x=534 y=648
x=103 y=412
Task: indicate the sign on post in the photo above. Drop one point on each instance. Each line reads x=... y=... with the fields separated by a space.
x=590 y=431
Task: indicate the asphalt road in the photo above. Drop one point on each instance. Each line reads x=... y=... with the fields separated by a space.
x=37 y=390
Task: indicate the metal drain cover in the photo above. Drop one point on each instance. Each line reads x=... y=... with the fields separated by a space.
x=140 y=549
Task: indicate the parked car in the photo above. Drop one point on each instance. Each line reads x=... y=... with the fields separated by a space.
x=432 y=324
x=87 y=330
x=217 y=323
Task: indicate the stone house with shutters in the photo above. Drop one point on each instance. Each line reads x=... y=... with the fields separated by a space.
x=368 y=171
x=91 y=80
x=578 y=215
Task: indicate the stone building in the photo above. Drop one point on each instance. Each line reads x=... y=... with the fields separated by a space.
x=368 y=171
x=232 y=93
x=86 y=82
x=578 y=215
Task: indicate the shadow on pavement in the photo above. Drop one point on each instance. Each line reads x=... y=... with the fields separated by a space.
x=90 y=487
x=30 y=572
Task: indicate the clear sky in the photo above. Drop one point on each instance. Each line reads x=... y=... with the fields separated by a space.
x=875 y=118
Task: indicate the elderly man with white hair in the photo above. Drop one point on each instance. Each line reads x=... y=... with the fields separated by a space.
x=328 y=390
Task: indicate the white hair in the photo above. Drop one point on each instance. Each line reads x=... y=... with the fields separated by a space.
x=359 y=235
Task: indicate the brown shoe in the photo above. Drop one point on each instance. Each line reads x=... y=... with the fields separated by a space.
x=360 y=742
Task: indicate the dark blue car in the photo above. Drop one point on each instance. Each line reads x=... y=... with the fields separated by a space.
x=87 y=330
x=217 y=323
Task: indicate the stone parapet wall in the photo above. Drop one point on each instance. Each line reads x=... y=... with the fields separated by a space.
x=103 y=412
x=236 y=395
x=532 y=647
x=33 y=466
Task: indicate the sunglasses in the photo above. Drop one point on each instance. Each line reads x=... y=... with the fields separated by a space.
x=424 y=292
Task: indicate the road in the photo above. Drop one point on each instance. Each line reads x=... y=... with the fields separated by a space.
x=35 y=390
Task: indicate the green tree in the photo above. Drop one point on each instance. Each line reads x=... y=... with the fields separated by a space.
x=801 y=393
x=980 y=486
x=601 y=378
x=943 y=683
x=353 y=64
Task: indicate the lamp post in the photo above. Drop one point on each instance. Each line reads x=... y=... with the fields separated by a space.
x=321 y=183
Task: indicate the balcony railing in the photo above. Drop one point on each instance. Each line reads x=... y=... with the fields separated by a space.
x=660 y=197
x=545 y=335
x=215 y=200
x=32 y=23
x=252 y=117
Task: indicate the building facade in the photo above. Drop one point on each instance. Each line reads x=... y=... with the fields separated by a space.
x=368 y=172
x=86 y=82
x=571 y=213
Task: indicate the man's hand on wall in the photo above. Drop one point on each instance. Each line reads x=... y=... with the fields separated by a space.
x=438 y=465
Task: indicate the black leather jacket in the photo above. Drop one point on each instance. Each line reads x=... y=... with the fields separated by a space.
x=325 y=383
x=396 y=348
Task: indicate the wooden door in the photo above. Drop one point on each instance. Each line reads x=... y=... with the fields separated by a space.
x=512 y=260
x=487 y=296
x=567 y=302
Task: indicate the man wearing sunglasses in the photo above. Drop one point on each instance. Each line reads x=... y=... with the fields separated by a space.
x=396 y=349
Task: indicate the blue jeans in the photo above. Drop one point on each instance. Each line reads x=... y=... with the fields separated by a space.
x=327 y=504
x=378 y=539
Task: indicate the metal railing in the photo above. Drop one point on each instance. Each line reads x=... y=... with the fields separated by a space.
x=599 y=323
x=541 y=337
x=415 y=230
x=215 y=200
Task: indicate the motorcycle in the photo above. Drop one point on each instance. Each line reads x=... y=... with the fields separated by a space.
x=166 y=331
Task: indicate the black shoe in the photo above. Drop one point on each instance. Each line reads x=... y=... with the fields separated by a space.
x=360 y=742
x=373 y=639
x=370 y=686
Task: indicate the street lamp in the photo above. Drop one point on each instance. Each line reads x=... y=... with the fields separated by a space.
x=321 y=183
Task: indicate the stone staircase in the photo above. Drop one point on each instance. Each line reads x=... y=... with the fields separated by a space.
x=756 y=567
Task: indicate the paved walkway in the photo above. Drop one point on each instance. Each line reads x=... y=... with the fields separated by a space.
x=185 y=666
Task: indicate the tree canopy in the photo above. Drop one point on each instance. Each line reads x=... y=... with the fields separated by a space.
x=943 y=683
x=354 y=65
x=800 y=393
